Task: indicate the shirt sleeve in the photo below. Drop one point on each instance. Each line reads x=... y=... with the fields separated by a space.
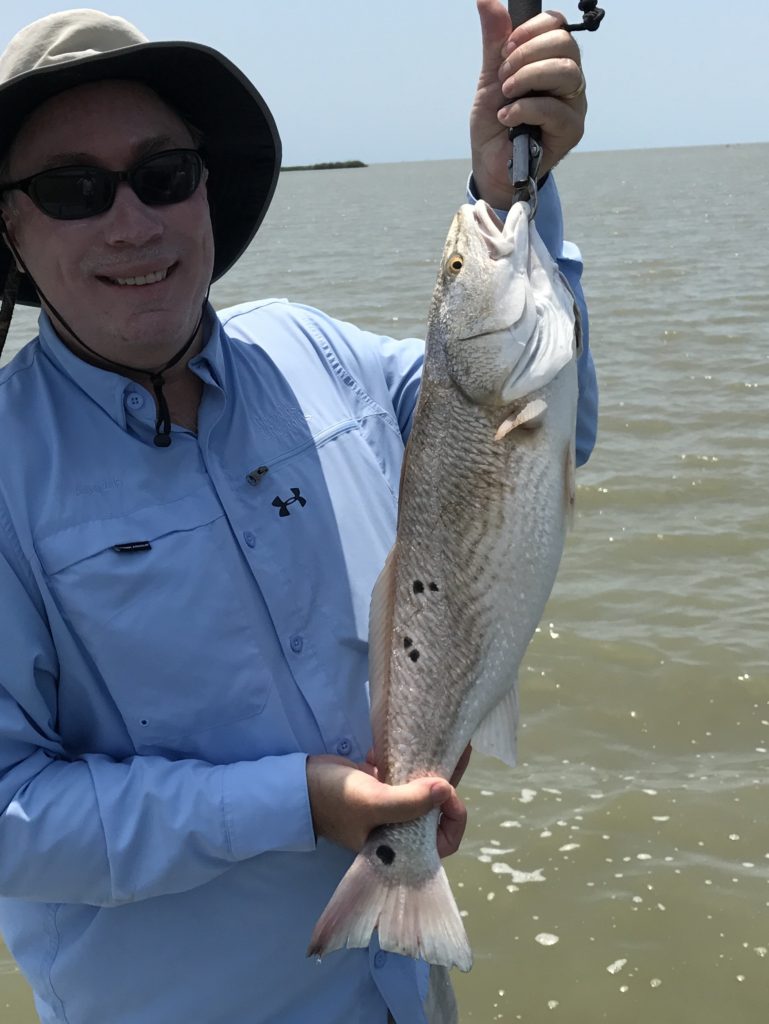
x=92 y=829
x=549 y=221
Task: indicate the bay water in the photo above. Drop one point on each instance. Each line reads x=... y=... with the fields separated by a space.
x=621 y=872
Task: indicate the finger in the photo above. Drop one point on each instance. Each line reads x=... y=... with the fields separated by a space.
x=451 y=827
x=495 y=31
x=461 y=767
x=547 y=21
x=559 y=77
x=370 y=763
x=547 y=47
x=411 y=800
x=559 y=119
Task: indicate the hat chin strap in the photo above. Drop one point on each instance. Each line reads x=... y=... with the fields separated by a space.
x=162 y=437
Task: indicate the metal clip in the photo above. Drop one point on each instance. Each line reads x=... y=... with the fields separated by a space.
x=524 y=166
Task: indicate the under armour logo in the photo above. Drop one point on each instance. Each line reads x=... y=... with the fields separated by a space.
x=283 y=505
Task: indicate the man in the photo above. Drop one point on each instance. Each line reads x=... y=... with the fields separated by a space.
x=190 y=529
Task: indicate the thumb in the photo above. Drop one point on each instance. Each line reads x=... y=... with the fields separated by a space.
x=495 y=29
x=416 y=798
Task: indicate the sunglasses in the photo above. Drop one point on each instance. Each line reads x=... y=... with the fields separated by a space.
x=72 y=193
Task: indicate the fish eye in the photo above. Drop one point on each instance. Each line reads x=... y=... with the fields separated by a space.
x=455 y=263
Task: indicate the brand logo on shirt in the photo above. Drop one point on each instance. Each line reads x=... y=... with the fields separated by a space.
x=98 y=487
x=283 y=505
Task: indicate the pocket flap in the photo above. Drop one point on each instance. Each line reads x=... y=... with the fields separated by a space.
x=83 y=540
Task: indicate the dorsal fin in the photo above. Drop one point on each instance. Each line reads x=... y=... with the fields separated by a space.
x=380 y=648
x=570 y=484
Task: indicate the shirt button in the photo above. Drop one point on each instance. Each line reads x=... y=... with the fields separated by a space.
x=249 y=538
x=343 y=747
x=380 y=959
x=135 y=400
x=296 y=644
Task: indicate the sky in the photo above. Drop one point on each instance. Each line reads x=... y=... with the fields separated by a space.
x=393 y=80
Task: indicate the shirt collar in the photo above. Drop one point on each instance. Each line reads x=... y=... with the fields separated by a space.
x=209 y=363
x=108 y=388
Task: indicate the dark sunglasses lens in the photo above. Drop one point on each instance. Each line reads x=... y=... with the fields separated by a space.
x=167 y=178
x=72 y=192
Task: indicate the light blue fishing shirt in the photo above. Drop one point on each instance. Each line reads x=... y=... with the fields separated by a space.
x=180 y=627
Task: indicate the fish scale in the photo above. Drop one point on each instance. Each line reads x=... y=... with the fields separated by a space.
x=486 y=492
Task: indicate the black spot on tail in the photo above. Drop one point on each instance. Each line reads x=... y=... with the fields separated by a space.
x=419 y=587
x=414 y=655
x=386 y=854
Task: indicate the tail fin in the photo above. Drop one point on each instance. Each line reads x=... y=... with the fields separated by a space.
x=418 y=921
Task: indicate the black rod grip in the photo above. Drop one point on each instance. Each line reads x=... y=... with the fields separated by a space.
x=522 y=10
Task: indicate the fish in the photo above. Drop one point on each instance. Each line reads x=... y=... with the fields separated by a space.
x=486 y=497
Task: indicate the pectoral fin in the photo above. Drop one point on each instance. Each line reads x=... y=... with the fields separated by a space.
x=496 y=735
x=530 y=417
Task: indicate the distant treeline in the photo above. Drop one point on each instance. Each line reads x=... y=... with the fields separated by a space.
x=326 y=167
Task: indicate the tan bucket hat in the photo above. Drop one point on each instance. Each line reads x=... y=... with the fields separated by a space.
x=241 y=145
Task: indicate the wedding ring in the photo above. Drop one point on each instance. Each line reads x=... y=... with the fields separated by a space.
x=578 y=91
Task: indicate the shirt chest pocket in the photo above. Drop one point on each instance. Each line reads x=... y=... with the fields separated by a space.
x=159 y=601
x=325 y=514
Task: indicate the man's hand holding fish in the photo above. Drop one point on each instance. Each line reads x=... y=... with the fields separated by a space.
x=348 y=802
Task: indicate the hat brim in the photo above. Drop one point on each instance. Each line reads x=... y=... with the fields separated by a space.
x=241 y=142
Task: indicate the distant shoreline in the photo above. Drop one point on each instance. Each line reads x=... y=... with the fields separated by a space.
x=326 y=167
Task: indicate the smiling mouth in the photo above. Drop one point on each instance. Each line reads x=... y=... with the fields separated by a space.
x=139 y=281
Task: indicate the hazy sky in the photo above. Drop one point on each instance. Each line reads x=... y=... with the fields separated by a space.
x=393 y=80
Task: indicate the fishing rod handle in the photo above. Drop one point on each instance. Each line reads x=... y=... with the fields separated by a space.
x=525 y=138
x=522 y=10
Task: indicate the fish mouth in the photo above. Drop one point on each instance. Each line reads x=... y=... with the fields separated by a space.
x=500 y=237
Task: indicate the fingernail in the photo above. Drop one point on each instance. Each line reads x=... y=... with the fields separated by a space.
x=438 y=792
x=508 y=48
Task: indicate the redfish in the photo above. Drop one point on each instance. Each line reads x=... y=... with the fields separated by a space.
x=486 y=494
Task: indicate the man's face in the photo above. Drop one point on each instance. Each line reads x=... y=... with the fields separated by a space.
x=78 y=264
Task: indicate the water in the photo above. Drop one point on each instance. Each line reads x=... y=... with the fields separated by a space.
x=621 y=872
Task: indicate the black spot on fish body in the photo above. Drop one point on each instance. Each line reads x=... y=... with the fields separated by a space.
x=407 y=642
x=434 y=587
x=386 y=854
x=419 y=587
x=414 y=655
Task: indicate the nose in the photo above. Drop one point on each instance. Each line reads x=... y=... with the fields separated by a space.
x=129 y=221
